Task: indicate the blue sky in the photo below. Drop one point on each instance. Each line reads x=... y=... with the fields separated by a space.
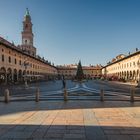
x=65 y=31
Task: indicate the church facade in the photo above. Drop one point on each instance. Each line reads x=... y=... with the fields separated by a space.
x=18 y=62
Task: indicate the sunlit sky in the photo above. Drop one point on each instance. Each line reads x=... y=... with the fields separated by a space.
x=66 y=31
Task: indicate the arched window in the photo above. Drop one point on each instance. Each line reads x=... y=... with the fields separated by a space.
x=25 y=41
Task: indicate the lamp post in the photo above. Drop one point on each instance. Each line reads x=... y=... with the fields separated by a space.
x=138 y=64
x=26 y=64
x=105 y=73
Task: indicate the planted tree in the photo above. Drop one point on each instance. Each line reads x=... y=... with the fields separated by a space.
x=79 y=74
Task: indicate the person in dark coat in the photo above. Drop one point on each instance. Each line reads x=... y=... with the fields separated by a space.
x=63 y=82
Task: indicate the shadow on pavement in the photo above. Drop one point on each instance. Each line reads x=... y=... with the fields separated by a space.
x=67 y=132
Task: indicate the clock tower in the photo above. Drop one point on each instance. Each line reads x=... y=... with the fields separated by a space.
x=27 y=35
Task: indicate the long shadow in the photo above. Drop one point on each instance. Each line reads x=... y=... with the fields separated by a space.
x=16 y=107
x=45 y=121
x=68 y=132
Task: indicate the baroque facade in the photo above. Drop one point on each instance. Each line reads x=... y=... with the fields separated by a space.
x=125 y=68
x=18 y=62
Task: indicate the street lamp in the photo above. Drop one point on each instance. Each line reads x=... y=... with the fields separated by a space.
x=138 y=64
x=26 y=64
x=105 y=73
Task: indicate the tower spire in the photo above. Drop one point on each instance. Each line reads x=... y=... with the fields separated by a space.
x=27 y=35
x=27 y=12
x=27 y=15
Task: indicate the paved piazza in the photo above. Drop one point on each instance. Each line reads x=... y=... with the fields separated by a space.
x=82 y=117
x=73 y=120
x=88 y=90
x=45 y=100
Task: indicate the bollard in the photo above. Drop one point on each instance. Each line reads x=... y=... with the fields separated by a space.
x=102 y=95
x=132 y=94
x=6 y=95
x=37 y=95
x=65 y=94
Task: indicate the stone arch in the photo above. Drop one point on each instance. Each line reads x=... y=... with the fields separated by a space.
x=24 y=72
x=3 y=75
x=31 y=75
x=9 y=75
x=125 y=75
x=20 y=76
x=137 y=72
x=134 y=75
x=138 y=75
x=27 y=72
x=130 y=75
x=122 y=73
x=15 y=75
x=31 y=72
x=117 y=74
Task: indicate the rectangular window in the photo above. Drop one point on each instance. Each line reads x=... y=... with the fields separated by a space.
x=15 y=61
x=9 y=59
x=19 y=62
x=2 y=57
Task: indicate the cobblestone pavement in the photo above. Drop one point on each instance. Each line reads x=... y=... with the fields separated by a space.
x=72 y=120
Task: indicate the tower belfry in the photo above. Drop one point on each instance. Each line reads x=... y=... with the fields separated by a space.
x=27 y=35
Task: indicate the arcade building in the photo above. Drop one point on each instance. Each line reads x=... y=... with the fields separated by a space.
x=90 y=72
x=20 y=62
x=124 y=68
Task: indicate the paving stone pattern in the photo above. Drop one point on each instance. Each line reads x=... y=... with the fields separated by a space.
x=72 y=120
